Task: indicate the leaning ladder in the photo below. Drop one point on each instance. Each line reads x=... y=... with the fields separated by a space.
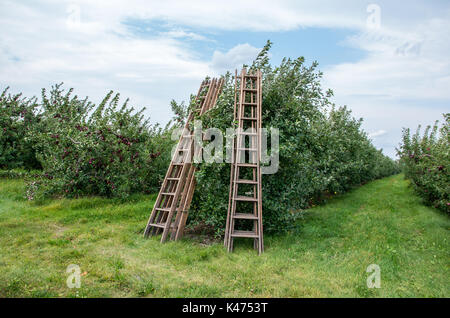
x=189 y=185
x=178 y=186
x=246 y=207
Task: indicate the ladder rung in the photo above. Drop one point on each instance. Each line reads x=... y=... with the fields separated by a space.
x=242 y=181
x=168 y=193
x=163 y=209
x=247 y=199
x=248 y=134
x=249 y=118
x=245 y=216
x=177 y=163
x=247 y=165
x=250 y=90
x=162 y=225
x=173 y=179
x=250 y=104
x=247 y=149
x=249 y=234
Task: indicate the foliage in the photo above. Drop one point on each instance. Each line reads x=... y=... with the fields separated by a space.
x=426 y=162
x=18 y=173
x=17 y=117
x=323 y=150
x=104 y=150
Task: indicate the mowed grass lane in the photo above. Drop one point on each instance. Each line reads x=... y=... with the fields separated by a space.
x=326 y=255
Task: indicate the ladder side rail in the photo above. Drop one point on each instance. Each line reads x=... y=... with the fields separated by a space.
x=259 y=110
x=184 y=214
x=254 y=155
x=227 y=225
x=235 y=166
x=253 y=145
x=238 y=159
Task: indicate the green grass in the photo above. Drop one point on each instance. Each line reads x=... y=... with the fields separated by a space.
x=327 y=255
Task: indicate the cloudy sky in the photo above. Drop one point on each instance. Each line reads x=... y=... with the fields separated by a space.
x=388 y=61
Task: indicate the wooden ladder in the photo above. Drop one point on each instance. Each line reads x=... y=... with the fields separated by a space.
x=177 y=189
x=246 y=177
x=189 y=185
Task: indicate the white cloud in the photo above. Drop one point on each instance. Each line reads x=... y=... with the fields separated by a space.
x=254 y=15
x=408 y=65
x=179 y=33
x=42 y=49
x=402 y=82
x=234 y=58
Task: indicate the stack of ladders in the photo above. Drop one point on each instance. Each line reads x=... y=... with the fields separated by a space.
x=170 y=211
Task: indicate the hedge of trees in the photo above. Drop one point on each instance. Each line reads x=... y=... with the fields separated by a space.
x=17 y=116
x=323 y=150
x=80 y=148
x=425 y=159
x=111 y=150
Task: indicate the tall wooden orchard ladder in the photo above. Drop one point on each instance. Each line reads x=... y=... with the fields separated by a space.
x=245 y=198
x=170 y=211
